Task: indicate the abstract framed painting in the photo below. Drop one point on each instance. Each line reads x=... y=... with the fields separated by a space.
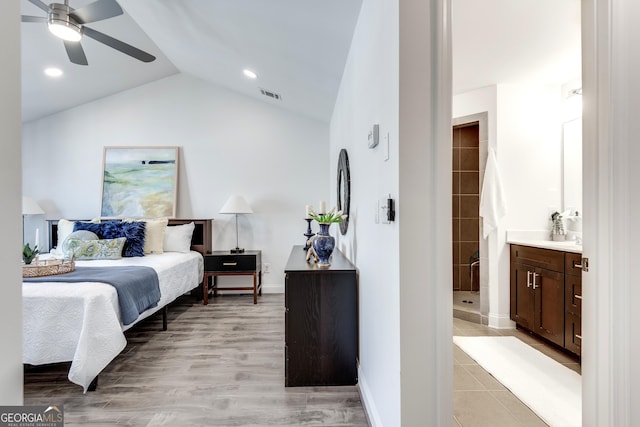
x=139 y=182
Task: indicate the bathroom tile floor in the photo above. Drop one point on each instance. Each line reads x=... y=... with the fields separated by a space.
x=481 y=401
x=467 y=300
x=466 y=306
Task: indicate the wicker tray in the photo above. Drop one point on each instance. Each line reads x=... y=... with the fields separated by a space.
x=48 y=268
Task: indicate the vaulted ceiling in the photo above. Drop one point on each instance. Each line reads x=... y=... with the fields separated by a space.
x=298 y=48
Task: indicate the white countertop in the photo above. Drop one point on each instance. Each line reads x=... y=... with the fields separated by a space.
x=539 y=239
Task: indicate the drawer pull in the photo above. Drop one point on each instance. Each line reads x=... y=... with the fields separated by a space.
x=534 y=280
x=584 y=264
x=230 y=263
x=579 y=336
x=577 y=296
x=528 y=279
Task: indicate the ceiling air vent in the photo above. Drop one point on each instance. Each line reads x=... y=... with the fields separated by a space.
x=270 y=94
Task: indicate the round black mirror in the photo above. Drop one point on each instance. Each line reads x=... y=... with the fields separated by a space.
x=344 y=189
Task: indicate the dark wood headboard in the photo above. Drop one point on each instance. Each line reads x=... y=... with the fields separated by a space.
x=200 y=242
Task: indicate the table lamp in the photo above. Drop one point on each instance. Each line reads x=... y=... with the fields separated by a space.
x=236 y=205
x=30 y=207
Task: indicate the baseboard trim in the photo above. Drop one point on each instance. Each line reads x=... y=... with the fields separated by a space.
x=501 y=321
x=469 y=316
x=370 y=410
x=274 y=288
x=266 y=289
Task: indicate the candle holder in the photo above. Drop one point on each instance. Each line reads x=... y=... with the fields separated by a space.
x=308 y=234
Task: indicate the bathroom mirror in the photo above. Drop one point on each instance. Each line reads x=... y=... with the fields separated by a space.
x=572 y=166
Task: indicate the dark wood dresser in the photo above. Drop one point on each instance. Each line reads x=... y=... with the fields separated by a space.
x=321 y=321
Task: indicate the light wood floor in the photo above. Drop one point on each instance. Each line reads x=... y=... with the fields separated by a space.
x=217 y=365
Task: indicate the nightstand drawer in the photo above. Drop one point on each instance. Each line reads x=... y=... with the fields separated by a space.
x=231 y=262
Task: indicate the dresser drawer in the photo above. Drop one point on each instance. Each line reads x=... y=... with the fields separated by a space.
x=537 y=257
x=572 y=260
x=573 y=333
x=573 y=294
x=231 y=262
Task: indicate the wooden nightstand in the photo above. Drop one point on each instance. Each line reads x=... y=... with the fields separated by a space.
x=224 y=263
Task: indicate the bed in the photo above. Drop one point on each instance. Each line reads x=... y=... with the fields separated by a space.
x=81 y=323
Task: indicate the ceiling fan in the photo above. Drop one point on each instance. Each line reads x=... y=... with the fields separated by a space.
x=69 y=25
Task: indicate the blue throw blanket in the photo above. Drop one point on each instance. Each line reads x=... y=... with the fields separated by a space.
x=138 y=287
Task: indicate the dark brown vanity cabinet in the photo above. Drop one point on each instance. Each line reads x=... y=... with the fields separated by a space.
x=573 y=303
x=546 y=294
x=537 y=291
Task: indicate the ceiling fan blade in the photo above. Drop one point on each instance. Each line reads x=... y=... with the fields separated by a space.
x=97 y=11
x=118 y=45
x=27 y=18
x=75 y=53
x=40 y=5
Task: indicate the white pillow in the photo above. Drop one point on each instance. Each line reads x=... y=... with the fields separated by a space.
x=65 y=227
x=177 y=238
x=154 y=231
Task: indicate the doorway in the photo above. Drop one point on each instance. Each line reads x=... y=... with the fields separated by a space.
x=466 y=221
x=470 y=283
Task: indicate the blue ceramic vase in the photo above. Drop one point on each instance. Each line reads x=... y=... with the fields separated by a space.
x=323 y=244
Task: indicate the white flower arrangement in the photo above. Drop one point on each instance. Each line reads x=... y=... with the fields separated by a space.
x=329 y=217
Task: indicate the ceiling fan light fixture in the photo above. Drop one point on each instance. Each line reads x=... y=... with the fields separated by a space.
x=62 y=25
x=65 y=32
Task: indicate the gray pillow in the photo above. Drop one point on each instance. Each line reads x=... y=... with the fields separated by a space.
x=78 y=235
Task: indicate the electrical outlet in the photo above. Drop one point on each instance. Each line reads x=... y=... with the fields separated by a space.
x=266 y=267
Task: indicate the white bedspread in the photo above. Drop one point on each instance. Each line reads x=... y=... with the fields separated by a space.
x=80 y=322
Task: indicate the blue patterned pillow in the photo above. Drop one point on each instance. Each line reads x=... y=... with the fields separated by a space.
x=95 y=249
x=133 y=231
x=79 y=235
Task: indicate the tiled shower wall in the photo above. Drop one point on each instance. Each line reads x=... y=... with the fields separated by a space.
x=466 y=202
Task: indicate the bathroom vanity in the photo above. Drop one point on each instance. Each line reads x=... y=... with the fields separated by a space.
x=546 y=291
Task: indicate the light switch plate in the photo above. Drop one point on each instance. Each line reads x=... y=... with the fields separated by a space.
x=382 y=211
x=374 y=136
x=385 y=147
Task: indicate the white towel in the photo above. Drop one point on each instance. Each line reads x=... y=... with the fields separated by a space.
x=492 y=201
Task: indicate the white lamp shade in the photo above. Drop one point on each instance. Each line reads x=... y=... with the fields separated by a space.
x=30 y=207
x=236 y=205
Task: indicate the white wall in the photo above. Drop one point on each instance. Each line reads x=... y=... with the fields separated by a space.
x=10 y=290
x=229 y=144
x=405 y=374
x=369 y=94
x=525 y=129
x=530 y=151
x=425 y=216
x=611 y=95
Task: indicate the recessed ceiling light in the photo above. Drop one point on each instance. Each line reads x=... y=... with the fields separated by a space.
x=249 y=73
x=53 y=72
